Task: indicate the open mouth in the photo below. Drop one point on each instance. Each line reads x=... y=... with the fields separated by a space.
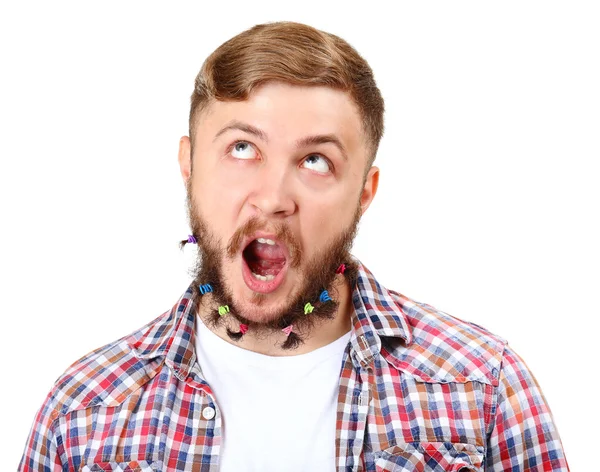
x=265 y=264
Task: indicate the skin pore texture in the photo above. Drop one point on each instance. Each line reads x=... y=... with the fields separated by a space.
x=256 y=176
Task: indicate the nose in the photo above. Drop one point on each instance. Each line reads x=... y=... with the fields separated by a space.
x=273 y=194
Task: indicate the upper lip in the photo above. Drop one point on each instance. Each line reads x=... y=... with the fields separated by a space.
x=263 y=234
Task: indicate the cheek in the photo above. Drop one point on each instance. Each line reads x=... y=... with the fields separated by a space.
x=226 y=181
x=325 y=221
x=220 y=205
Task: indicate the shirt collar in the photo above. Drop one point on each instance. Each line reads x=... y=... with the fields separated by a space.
x=171 y=336
x=376 y=313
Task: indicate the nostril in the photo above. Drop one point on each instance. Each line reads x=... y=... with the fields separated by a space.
x=271 y=200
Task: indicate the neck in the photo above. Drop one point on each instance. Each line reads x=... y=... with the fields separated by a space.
x=322 y=333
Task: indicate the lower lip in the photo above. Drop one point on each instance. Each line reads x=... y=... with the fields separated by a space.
x=262 y=286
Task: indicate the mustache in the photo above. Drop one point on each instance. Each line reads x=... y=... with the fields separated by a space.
x=282 y=232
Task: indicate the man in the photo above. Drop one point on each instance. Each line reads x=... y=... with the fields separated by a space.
x=285 y=353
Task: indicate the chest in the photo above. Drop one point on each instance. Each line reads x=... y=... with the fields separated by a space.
x=275 y=415
x=391 y=421
x=377 y=419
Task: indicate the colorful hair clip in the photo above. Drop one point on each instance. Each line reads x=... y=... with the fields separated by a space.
x=223 y=310
x=341 y=269
x=324 y=297
x=192 y=239
x=288 y=329
x=205 y=288
x=308 y=308
x=243 y=328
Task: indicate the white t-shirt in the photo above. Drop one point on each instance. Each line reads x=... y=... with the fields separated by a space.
x=278 y=413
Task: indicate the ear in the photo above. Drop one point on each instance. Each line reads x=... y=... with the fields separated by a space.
x=184 y=157
x=370 y=188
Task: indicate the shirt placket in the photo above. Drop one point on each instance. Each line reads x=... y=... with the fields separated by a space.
x=207 y=424
x=351 y=430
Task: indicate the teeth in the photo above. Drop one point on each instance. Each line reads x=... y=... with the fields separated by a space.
x=270 y=242
x=264 y=278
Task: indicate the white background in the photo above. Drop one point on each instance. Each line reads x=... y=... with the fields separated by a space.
x=487 y=208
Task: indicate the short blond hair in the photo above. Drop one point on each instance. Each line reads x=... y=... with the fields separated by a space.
x=296 y=54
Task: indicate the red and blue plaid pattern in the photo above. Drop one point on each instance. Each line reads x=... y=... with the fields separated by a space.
x=419 y=390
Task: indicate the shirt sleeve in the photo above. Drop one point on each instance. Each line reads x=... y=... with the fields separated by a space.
x=40 y=453
x=524 y=436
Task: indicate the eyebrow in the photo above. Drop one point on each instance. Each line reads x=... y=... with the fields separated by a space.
x=300 y=143
x=245 y=127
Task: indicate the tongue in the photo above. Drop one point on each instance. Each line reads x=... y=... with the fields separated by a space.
x=264 y=259
x=268 y=252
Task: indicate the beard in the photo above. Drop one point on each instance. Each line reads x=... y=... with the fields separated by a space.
x=315 y=275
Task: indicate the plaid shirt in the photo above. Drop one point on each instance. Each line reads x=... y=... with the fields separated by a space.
x=419 y=390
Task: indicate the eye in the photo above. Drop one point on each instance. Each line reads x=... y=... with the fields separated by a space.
x=317 y=163
x=242 y=150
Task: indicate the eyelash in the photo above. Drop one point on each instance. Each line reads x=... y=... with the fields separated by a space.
x=329 y=163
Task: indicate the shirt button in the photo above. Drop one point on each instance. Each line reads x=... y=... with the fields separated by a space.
x=208 y=413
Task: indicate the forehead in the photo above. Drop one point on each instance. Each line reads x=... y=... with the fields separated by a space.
x=286 y=113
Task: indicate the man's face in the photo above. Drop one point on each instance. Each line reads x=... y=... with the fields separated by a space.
x=272 y=202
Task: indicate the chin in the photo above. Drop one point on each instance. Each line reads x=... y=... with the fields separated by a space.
x=262 y=312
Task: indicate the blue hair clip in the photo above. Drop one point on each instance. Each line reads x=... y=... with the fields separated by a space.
x=205 y=288
x=324 y=297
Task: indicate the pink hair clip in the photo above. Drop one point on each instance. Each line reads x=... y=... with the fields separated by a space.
x=243 y=328
x=341 y=269
x=288 y=329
